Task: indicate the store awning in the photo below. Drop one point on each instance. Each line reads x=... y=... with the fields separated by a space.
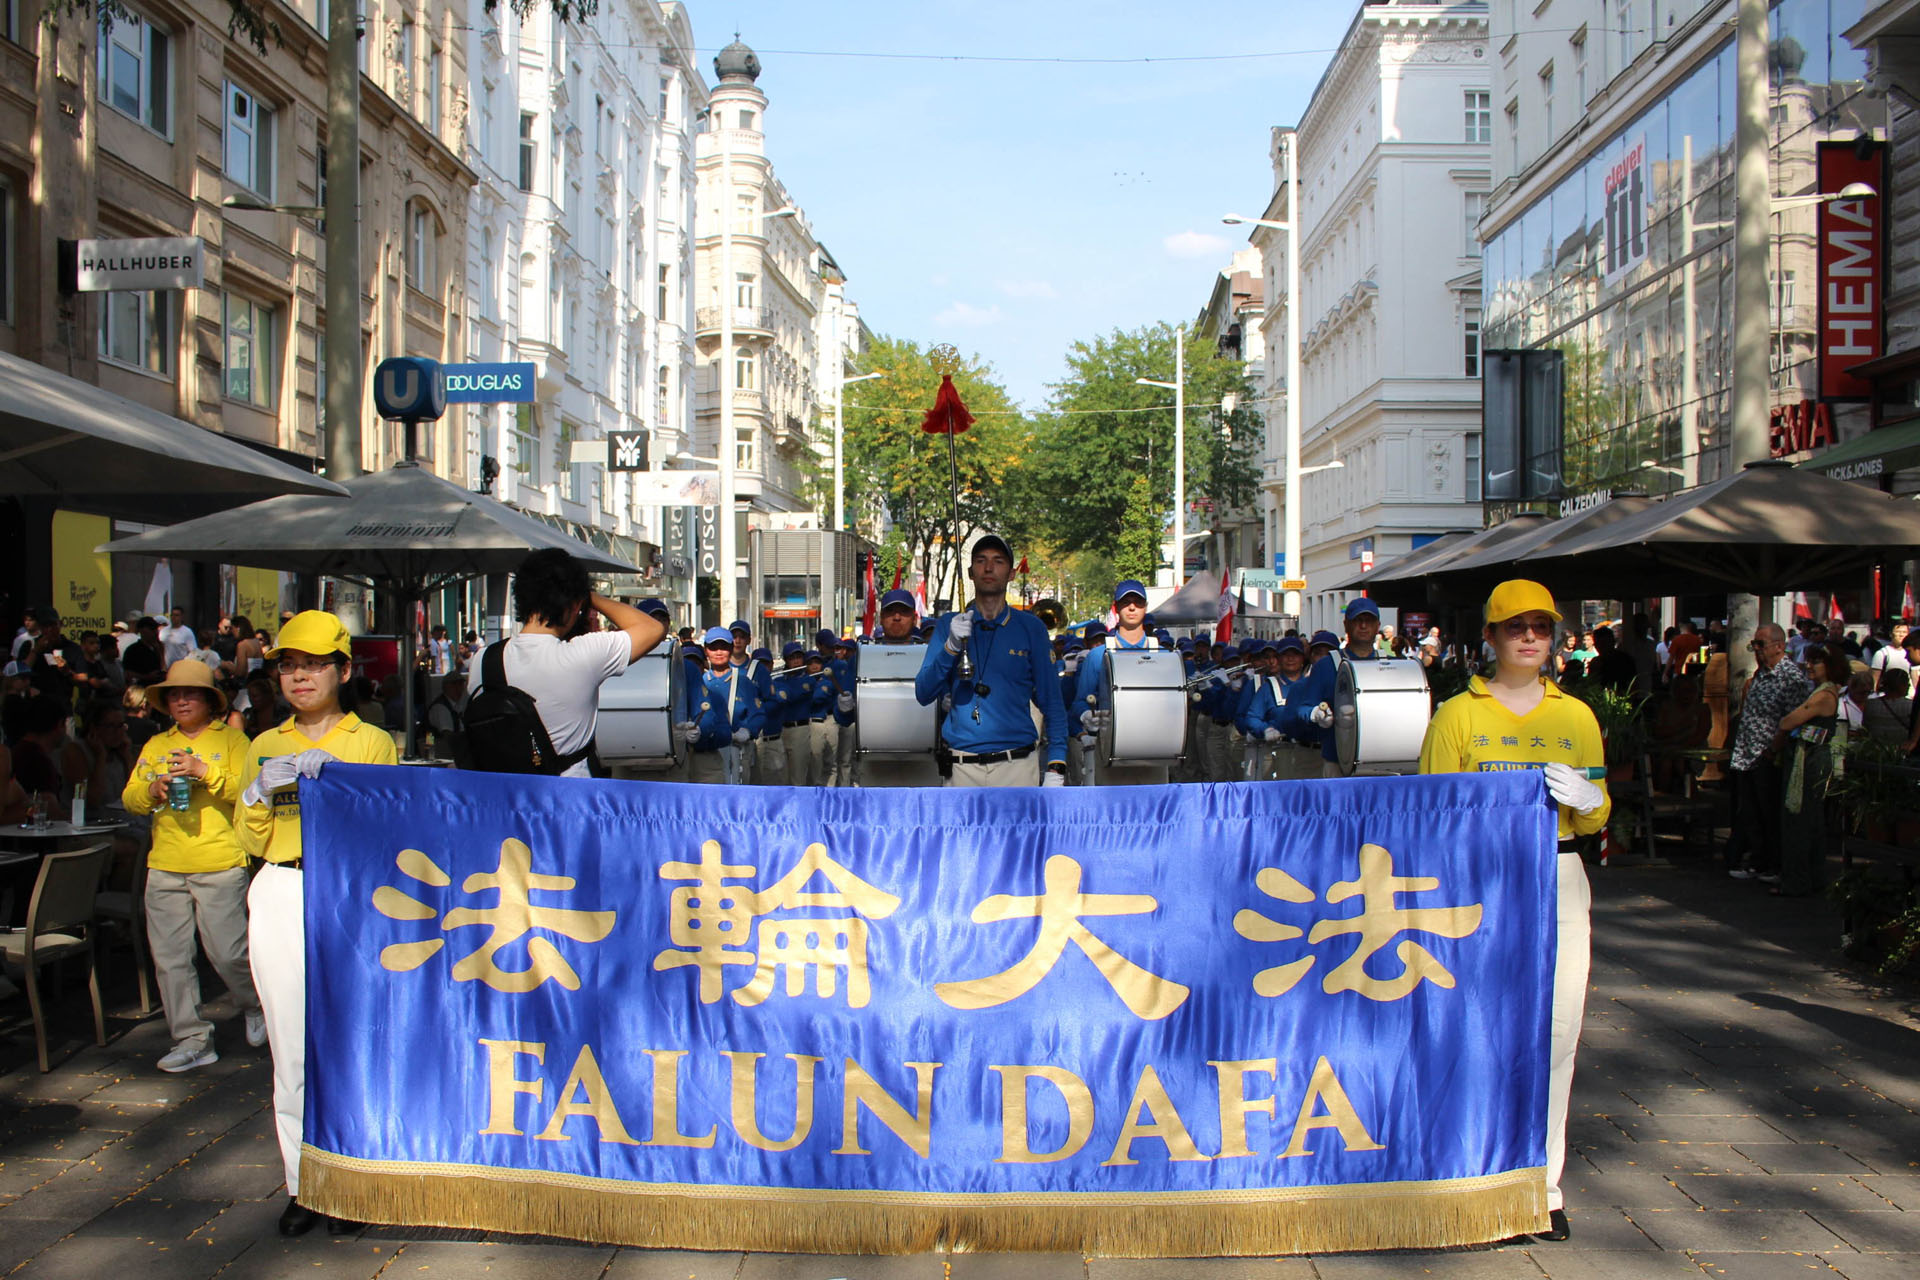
x=1873 y=455
x=88 y=449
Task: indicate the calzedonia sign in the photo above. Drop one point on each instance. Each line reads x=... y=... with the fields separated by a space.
x=117 y=266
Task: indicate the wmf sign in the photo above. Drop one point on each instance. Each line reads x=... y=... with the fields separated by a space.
x=627 y=450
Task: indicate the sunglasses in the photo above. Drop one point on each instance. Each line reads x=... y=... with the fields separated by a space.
x=1519 y=627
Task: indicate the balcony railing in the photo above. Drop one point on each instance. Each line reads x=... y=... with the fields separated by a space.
x=746 y=320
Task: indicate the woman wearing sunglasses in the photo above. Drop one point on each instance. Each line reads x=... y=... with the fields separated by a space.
x=1514 y=717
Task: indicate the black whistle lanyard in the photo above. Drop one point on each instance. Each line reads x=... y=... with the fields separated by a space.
x=980 y=687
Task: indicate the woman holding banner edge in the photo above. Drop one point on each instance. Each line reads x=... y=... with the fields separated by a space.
x=1517 y=717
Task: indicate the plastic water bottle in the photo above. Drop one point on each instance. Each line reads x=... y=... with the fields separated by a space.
x=180 y=792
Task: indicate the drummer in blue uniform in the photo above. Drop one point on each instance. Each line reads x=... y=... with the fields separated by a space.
x=846 y=668
x=1314 y=705
x=897 y=612
x=1129 y=632
x=721 y=706
x=794 y=688
x=1293 y=744
x=989 y=729
x=751 y=768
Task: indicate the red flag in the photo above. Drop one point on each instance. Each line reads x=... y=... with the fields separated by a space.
x=948 y=415
x=899 y=567
x=1801 y=609
x=1223 y=630
x=1833 y=610
x=1906 y=602
x=1021 y=568
x=873 y=601
x=920 y=609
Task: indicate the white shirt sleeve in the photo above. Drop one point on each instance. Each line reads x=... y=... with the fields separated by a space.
x=614 y=649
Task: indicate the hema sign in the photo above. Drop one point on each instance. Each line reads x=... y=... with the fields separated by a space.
x=488 y=383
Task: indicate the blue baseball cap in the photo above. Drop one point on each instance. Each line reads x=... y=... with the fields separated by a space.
x=1149 y=622
x=792 y=647
x=1358 y=607
x=1096 y=628
x=1074 y=646
x=1290 y=644
x=740 y=626
x=1326 y=638
x=717 y=636
x=897 y=599
x=814 y=655
x=1129 y=587
x=655 y=605
x=693 y=651
x=763 y=655
x=991 y=542
x=824 y=636
x=1165 y=638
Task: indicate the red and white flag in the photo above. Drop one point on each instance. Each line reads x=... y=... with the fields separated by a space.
x=1833 y=610
x=899 y=567
x=873 y=601
x=920 y=609
x=1801 y=609
x=1906 y=602
x=1223 y=630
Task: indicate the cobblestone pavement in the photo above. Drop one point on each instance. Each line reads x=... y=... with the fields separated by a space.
x=1745 y=1107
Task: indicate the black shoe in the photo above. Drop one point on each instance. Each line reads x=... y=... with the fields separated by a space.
x=296 y=1219
x=341 y=1227
x=1557 y=1226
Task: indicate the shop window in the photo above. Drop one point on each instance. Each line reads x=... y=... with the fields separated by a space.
x=1479 y=105
x=250 y=330
x=136 y=331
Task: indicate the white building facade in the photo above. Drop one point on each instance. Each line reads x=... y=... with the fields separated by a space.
x=579 y=255
x=1394 y=170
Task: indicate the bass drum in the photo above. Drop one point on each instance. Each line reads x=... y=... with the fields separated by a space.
x=637 y=710
x=1380 y=711
x=888 y=719
x=1145 y=692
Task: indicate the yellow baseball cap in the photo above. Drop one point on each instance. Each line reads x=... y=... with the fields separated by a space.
x=1518 y=596
x=315 y=632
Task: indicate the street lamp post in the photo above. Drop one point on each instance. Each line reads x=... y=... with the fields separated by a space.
x=1177 y=537
x=1290 y=602
x=839 y=433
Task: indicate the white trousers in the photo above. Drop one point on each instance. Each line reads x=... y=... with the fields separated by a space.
x=216 y=902
x=277 y=941
x=1294 y=762
x=798 y=739
x=1003 y=773
x=826 y=752
x=1572 y=964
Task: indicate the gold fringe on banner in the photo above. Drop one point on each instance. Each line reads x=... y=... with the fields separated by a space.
x=1174 y=1224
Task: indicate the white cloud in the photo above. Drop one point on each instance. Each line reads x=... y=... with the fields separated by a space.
x=1028 y=289
x=1194 y=244
x=939 y=281
x=967 y=316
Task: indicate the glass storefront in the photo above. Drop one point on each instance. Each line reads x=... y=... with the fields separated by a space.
x=1626 y=266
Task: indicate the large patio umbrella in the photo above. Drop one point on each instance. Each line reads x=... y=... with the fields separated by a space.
x=1768 y=529
x=1407 y=581
x=1395 y=567
x=406 y=531
x=1479 y=571
x=91 y=450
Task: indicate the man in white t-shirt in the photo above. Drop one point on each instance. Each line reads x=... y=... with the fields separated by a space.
x=559 y=666
x=178 y=637
x=1892 y=657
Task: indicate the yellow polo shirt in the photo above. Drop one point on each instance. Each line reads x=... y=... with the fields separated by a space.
x=202 y=838
x=272 y=830
x=1473 y=732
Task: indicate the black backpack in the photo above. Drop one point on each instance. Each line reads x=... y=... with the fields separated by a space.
x=504 y=733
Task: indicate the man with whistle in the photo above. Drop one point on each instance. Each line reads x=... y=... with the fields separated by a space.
x=1517 y=718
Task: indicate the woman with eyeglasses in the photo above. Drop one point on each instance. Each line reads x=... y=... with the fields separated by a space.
x=1808 y=735
x=1515 y=717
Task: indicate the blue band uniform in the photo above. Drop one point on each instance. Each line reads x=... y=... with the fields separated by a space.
x=878 y=1022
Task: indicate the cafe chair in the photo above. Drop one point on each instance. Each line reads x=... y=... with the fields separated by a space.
x=122 y=901
x=60 y=923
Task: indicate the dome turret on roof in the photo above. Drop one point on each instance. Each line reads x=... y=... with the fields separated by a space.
x=737 y=60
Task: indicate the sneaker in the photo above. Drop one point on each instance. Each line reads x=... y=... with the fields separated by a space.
x=185 y=1057
x=1741 y=873
x=256 y=1029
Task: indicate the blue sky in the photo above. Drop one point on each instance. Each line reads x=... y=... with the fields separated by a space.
x=1012 y=208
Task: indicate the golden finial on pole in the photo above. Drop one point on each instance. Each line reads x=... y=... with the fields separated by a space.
x=945 y=359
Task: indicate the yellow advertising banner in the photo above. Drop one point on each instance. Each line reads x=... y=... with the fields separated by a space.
x=82 y=578
x=257 y=597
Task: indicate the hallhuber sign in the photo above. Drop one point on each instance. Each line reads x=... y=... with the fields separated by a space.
x=116 y=266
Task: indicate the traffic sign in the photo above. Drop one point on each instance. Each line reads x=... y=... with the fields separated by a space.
x=1294 y=584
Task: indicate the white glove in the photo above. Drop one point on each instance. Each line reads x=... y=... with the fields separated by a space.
x=1322 y=716
x=741 y=735
x=1238 y=682
x=1567 y=787
x=1049 y=778
x=689 y=731
x=1272 y=734
x=1088 y=741
x=959 y=631
x=1094 y=721
x=846 y=702
x=280 y=772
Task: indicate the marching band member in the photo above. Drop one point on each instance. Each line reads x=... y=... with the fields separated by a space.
x=1215 y=731
x=1316 y=700
x=771 y=754
x=749 y=752
x=796 y=687
x=1256 y=704
x=847 y=666
x=1130 y=632
x=1293 y=745
x=1519 y=719
x=314 y=656
x=897 y=611
x=990 y=728
x=824 y=732
x=720 y=712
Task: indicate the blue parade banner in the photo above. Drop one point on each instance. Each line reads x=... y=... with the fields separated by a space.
x=1205 y=1019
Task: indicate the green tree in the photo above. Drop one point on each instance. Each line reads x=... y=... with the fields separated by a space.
x=893 y=467
x=1142 y=527
x=1103 y=430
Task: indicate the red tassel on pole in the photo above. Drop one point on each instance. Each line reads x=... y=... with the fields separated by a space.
x=949 y=414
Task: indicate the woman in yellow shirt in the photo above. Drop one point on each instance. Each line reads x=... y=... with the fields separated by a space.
x=1517 y=718
x=196 y=869
x=314 y=655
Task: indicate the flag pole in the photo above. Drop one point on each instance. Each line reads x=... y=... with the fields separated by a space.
x=945 y=359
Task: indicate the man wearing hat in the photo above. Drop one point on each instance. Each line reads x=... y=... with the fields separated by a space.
x=847 y=665
x=196 y=869
x=749 y=753
x=1313 y=708
x=793 y=687
x=770 y=723
x=1516 y=718
x=1007 y=669
x=314 y=656
x=897 y=611
x=1129 y=632
x=1293 y=751
x=721 y=709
